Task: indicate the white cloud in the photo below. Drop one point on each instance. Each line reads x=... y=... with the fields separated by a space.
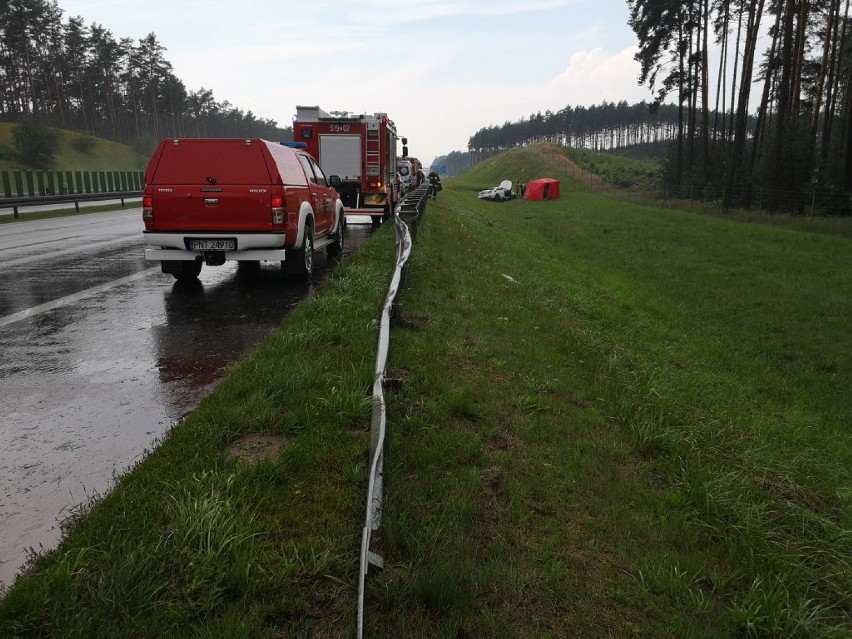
x=442 y=69
x=593 y=76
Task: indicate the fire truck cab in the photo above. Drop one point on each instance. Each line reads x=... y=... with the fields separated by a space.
x=361 y=149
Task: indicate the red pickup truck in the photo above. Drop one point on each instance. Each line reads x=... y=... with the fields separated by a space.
x=207 y=201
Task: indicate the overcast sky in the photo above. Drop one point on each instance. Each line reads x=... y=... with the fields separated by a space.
x=441 y=69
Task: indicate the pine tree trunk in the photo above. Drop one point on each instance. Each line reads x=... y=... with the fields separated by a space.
x=705 y=98
x=755 y=14
x=763 y=110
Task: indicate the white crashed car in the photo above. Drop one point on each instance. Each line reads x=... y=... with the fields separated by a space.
x=498 y=193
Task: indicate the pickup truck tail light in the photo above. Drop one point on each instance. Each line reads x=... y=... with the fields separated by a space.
x=148 y=211
x=278 y=213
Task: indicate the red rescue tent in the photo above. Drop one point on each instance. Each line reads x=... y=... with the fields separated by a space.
x=542 y=189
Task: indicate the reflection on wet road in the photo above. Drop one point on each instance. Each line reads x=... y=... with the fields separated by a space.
x=101 y=355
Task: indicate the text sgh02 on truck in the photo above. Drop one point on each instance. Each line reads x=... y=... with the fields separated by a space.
x=207 y=201
x=361 y=149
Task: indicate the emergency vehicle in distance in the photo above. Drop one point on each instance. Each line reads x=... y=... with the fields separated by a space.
x=361 y=149
x=409 y=169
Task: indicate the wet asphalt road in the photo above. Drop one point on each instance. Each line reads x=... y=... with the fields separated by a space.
x=101 y=353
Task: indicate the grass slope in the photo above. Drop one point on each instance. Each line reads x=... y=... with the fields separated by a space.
x=613 y=421
x=104 y=155
x=617 y=421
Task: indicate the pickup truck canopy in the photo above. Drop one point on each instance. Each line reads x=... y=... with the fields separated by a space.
x=234 y=161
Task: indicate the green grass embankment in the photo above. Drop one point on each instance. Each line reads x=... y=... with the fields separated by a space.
x=99 y=154
x=613 y=421
x=617 y=421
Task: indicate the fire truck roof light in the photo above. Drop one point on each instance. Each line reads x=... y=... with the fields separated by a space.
x=295 y=145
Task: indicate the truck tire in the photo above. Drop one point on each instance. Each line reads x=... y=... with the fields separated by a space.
x=335 y=249
x=182 y=270
x=301 y=260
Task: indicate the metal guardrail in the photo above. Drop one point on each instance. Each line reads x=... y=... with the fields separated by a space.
x=70 y=198
x=408 y=212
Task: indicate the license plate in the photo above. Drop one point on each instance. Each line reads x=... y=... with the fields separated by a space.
x=212 y=245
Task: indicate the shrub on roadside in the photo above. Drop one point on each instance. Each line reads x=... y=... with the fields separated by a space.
x=36 y=144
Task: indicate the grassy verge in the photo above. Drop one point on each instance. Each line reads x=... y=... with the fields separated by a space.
x=197 y=541
x=617 y=421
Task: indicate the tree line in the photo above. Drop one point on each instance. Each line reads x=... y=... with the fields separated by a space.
x=599 y=127
x=798 y=88
x=73 y=76
x=776 y=121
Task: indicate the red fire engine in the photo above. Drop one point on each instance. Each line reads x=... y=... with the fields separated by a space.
x=361 y=149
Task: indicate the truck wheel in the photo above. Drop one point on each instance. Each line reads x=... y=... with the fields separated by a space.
x=183 y=270
x=302 y=259
x=335 y=249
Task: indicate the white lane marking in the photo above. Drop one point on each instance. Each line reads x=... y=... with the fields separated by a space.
x=69 y=299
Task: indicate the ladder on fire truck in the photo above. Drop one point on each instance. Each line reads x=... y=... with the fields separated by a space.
x=373 y=152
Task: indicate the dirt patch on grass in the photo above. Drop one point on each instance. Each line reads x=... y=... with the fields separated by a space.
x=254 y=447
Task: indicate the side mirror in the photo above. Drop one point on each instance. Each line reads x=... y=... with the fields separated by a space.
x=335 y=182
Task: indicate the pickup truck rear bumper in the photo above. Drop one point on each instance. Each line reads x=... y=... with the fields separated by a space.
x=250 y=246
x=179 y=255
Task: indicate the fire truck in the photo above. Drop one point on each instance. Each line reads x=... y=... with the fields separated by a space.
x=409 y=169
x=361 y=149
